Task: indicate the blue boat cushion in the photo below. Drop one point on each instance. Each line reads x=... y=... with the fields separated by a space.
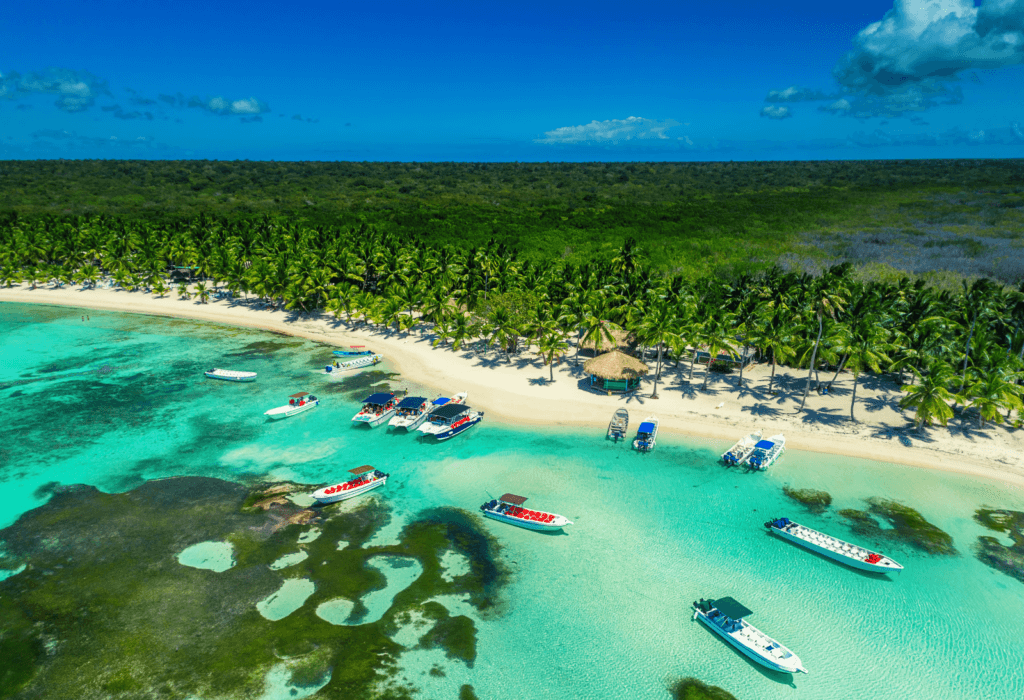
x=646 y=428
x=765 y=445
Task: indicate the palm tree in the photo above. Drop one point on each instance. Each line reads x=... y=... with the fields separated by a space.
x=202 y=292
x=160 y=289
x=773 y=335
x=715 y=336
x=183 y=291
x=866 y=348
x=658 y=329
x=827 y=298
x=551 y=345
x=502 y=331
x=930 y=398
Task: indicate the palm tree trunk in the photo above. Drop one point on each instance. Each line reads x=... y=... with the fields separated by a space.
x=771 y=381
x=743 y=355
x=692 y=360
x=551 y=366
x=841 y=366
x=814 y=359
x=853 y=400
x=657 y=374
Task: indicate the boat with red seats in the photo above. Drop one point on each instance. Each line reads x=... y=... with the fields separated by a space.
x=509 y=509
x=366 y=479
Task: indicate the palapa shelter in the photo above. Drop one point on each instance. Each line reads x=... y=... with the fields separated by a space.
x=615 y=371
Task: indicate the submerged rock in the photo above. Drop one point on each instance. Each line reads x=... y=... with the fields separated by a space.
x=816 y=501
x=693 y=689
x=104 y=608
x=907 y=525
x=1009 y=560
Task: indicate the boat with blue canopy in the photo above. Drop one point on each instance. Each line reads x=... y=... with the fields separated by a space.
x=377 y=409
x=766 y=453
x=449 y=420
x=646 y=434
x=413 y=410
x=741 y=450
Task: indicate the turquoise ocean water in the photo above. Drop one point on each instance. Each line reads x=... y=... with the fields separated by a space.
x=600 y=612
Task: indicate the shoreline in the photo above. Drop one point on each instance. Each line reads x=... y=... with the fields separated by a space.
x=521 y=395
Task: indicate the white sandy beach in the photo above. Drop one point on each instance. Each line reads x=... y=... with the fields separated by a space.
x=520 y=393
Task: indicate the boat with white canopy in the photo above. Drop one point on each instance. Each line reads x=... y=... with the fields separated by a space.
x=741 y=450
x=832 y=547
x=365 y=478
x=509 y=509
x=751 y=641
x=230 y=375
x=377 y=409
x=765 y=453
x=297 y=403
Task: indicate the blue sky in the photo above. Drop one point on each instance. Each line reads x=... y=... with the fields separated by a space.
x=503 y=81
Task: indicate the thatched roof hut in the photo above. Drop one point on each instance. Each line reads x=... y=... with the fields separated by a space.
x=615 y=365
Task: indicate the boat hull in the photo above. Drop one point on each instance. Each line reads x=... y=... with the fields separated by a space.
x=747 y=651
x=352 y=493
x=409 y=424
x=836 y=556
x=357 y=363
x=528 y=524
x=278 y=414
x=373 y=420
x=229 y=378
x=449 y=433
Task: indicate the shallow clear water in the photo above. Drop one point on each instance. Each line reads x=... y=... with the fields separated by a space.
x=291 y=596
x=599 y=612
x=215 y=556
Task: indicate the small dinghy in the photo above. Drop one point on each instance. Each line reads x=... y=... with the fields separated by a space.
x=766 y=453
x=754 y=643
x=353 y=363
x=618 y=425
x=741 y=450
x=297 y=403
x=832 y=547
x=508 y=509
x=230 y=375
x=646 y=434
x=366 y=479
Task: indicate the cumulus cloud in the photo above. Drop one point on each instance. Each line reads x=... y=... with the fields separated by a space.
x=610 y=131
x=797 y=94
x=775 y=112
x=76 y=91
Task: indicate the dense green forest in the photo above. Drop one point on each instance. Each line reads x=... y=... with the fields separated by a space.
x=961 y=350
x=940 y=220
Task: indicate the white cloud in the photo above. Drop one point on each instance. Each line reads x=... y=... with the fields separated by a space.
x=838 y=106
x=775 y=112
x=611 y=131
x=223 y=106
x=76 y=90
x=797 y=94
x=919 y=40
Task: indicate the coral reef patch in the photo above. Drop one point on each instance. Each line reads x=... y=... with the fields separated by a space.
x=907 y=526
x=814 y=501
x=1009 y=560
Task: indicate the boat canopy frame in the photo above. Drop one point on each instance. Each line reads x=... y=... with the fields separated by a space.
x=361 y=470
x=513 y=499
x=449 y=411
x=379 y=398
x=299 y=395
x=412 y=402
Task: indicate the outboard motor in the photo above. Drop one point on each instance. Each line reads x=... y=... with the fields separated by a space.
x=328 y=369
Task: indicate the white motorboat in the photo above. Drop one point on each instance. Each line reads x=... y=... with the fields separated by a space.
x=618 y=425
x=449 y=420
x=297 y=403
x=377 y=409
x=508 y=509
x=646 y=434
x=230 y=375
x=765 y=453
x=832 y=547
x=741 y=450
x=366 y=479
x=754 y=643
x=410 y=412
x=354 y=363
